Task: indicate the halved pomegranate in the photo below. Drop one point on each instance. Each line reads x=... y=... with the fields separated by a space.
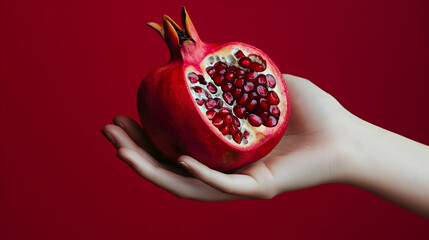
x=224 y=104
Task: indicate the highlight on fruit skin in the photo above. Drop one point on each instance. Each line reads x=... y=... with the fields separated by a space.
x=226 y=105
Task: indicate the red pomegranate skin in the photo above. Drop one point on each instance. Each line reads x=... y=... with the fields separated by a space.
x=172 y=121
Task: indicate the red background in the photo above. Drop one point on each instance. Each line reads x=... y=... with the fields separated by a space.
x=68 y=67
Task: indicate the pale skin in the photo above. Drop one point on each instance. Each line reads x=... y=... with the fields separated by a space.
x=324 y=143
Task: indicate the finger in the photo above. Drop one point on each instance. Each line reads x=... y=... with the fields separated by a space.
x=236 y=184
x=120 y=139
x=182 y=187
x=136 y=133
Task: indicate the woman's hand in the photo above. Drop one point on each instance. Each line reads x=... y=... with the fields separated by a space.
x=313 y=151
x=324 y=143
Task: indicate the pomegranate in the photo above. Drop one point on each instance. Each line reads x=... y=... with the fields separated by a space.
x=226 y=105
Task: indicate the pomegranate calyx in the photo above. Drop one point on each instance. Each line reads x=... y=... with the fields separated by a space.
x=173 y=35
x=189 y=26
x=158 y=28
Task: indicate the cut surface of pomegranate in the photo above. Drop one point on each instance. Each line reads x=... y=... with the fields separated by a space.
x=226 y=105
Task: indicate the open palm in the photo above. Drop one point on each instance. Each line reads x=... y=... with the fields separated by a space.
x=309 y=154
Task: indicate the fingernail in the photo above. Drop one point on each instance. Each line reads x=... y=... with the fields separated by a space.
x=108 y=136
x=184 y=165
x=119 y=124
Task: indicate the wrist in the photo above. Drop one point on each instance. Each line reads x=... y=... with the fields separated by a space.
x=368 y=148
x=353 y=144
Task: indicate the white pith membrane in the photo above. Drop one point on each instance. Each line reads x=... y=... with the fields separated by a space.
x=201 y=83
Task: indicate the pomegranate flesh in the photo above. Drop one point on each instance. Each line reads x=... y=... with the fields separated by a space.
x=226 y=105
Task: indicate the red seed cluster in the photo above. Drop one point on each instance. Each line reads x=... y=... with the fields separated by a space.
x=249 y=93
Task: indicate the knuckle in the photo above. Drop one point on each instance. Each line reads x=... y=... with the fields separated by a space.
x=229 y=190
x=180 y=195
x=183 y=195
x=267 y=193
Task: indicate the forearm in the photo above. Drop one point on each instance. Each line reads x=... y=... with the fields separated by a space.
x=390 y=166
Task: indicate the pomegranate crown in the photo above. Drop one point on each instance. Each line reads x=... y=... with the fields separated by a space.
x=172 y=33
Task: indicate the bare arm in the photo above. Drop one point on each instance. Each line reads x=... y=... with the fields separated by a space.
x=390 y=166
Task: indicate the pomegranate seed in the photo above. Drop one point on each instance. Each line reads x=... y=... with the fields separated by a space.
x=248 y=86
x=199 y=102
x=256 y=67
x=212 y=88
x=210 y=114
x=233 y=69
x=219 y=102
x=251 y=105
x=243 y=99
x=246 y=115
x=216 y=114
x=273 y=98
x=238 y=137
x=240 y=72
x=233 y=129
x=228 y=98
x=198 y=90
x=223 y=111
x=193 y=78
x=253 y=95
x=263 y=115
x=239 y=82
x=202 y=80
x=235 y=121
x=228 y=119
x=263 y=104
x=262 y=80
x=244 y=62
x=270 y=122
x=220 y=65
x=227 y=87
x=230 y=76
x=225 y=130
x=221 y=71
x=237 y=93
x=246 y=134
x=251 y=75
x=239 y=54
x=218 y=80
x=239 y=111
x=258 y=59
x=211 y=71
x=262 y=91
x=274 y=110
x=271 y=81
x=218 y=122
x=255 y=120
x=210 y=103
